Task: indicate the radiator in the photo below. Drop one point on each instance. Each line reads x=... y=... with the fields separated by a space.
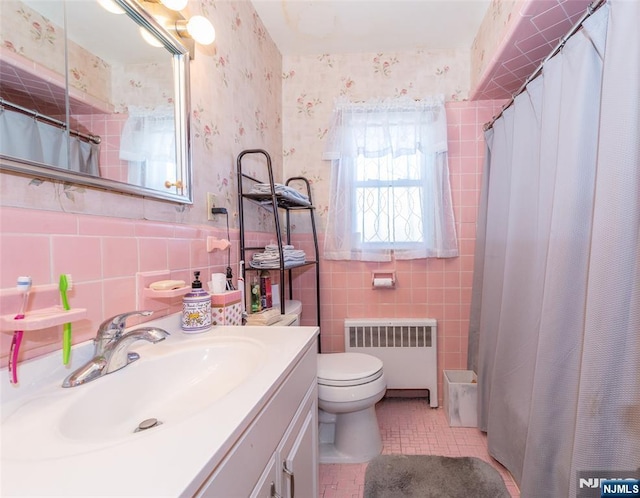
x=407 y=348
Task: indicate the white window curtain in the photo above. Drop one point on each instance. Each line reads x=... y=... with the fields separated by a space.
x=390 y=191
x=148 y=143
x=24 y=137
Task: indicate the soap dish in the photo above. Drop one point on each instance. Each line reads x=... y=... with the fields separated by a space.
x=166 y=290
x=165 y=285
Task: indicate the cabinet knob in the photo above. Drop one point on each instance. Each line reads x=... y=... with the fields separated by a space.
x=291 y=478
x=273 y=493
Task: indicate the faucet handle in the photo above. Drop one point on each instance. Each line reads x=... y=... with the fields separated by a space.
x=114 y=326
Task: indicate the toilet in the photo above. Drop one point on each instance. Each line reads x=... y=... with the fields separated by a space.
x=349 y=386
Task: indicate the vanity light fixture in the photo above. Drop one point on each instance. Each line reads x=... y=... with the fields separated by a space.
x=197 y=29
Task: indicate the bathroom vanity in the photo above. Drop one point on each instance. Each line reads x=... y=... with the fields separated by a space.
x=237 y=408
x=279 y=451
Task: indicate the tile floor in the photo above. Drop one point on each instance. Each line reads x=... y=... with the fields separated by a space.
x=410 y=426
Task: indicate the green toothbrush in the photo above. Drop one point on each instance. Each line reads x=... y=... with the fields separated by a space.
x=65 y=285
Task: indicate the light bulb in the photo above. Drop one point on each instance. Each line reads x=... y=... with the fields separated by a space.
x=111 y=6
x=175 y=4
x=149 y=38
x=201 y=30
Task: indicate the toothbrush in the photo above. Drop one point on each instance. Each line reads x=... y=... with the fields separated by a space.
x=66 y=284
x=23 y=286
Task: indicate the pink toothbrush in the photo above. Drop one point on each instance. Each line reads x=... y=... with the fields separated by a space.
x=24 y=286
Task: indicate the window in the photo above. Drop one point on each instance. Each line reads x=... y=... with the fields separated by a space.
x=148 y=143
x=388 y=197
x=390 y=193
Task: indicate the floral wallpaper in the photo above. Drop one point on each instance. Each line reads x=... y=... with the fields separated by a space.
x=492 y=31
x=312 y=83
x=143 y=85
x=236 y=102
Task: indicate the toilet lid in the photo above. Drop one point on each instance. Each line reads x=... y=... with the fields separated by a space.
x=348 y=369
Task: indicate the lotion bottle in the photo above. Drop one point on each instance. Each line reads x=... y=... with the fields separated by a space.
x=196 y=308
x=256 y=304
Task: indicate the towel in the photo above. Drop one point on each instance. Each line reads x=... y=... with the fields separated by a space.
x=270 y=258
x=281 y=190
x=264 y=317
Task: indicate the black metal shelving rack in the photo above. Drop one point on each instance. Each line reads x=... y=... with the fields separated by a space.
x=276 y=202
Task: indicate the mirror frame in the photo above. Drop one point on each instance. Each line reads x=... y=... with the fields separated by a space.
x=181 y=56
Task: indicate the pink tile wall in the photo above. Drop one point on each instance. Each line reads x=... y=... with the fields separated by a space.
x=103 y=255
x=433 y=288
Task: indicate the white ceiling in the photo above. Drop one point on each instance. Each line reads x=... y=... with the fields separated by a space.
x=308 y=27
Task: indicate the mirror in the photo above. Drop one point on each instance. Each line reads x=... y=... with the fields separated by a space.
x=85 y=99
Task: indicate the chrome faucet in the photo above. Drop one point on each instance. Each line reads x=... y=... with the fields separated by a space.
x=111 y=345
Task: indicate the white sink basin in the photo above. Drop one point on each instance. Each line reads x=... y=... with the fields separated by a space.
x=168 y=387
x=171 y=382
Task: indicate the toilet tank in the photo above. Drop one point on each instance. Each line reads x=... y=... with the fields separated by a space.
x=294 y=308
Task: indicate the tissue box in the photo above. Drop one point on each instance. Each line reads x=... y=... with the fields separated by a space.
x=226 y=308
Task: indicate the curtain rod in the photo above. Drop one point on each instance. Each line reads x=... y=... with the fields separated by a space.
x=593 y=6
x=61 y=124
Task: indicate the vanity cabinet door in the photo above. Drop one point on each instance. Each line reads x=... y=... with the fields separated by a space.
x=246 y=469
x=299 y=452
x=293 y=469
x=299 y=467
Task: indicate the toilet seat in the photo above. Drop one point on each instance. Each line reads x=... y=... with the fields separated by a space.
x=348 y=369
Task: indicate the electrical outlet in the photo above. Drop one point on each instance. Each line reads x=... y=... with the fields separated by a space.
x=211 y=203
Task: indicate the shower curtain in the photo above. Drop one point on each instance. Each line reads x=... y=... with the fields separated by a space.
x=29 y=139
x=556 y=305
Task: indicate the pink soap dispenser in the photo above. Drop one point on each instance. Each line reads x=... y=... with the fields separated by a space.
x=196 y=308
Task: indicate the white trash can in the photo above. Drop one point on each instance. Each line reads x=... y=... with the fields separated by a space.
x=461 y=397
